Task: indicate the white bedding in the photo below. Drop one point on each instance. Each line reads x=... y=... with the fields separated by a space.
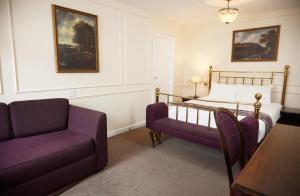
x=272 y=109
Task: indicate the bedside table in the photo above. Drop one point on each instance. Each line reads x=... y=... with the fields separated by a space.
x=290 y=116
x=187 y=98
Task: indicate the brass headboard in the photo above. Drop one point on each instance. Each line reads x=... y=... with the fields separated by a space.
x=250 y=77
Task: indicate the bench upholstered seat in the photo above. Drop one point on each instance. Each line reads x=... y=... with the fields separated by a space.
x=188 y=131
x=158 y=122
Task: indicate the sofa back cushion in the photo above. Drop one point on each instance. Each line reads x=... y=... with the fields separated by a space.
x=5 y=125
x=38 y=116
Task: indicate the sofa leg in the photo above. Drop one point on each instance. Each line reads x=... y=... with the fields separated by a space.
x=152 y=136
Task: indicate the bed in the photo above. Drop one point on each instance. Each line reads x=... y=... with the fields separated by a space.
x=245 y=93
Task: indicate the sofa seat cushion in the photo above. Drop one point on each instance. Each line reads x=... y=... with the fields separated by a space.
x=188 y=131
x=22 y=159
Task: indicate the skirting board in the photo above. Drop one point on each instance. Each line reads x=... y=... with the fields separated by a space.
x=125 y=129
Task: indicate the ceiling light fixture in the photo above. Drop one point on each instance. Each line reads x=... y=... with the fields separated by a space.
x=228 y=15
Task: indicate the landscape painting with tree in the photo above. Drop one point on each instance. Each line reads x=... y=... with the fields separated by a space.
x=259 y=44
x=76 y=40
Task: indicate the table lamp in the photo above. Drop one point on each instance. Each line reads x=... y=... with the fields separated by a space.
x=196 y=80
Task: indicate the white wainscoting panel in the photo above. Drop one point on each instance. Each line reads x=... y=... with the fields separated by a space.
x=1 y=81
x=137 y=49
x=34 y=47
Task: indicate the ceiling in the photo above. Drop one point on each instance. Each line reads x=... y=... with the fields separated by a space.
x=193 y=12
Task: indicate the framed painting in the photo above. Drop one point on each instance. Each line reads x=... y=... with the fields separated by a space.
x=76 y=40
x=254 y=45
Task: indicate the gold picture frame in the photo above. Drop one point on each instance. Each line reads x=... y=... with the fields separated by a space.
x=256 y=44
x=75 y=41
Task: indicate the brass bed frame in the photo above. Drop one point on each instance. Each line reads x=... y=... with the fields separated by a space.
x=270 y=78
x=233 y=77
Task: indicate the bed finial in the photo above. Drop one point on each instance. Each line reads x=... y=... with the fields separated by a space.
x=257 y=105
x=285 y=78
x=209 y=78
x=157 y=92
x=286 y=67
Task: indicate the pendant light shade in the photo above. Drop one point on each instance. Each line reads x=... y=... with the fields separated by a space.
x=228 y=15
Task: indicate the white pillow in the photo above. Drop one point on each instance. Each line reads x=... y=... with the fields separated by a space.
x=246 y=93
x=222 y=92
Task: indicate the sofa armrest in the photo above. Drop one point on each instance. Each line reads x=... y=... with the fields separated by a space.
x=250 y=135
x=154 y=112
x=93 y=124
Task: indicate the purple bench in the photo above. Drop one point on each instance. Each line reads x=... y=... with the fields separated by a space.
x=48 y=144
x=158 y=122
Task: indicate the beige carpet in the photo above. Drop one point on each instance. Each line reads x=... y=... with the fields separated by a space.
x=176 y=167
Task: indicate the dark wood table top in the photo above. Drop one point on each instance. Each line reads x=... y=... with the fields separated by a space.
x=291 y=110
x=274 y=169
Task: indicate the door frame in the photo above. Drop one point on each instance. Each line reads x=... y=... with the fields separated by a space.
x=173 y=42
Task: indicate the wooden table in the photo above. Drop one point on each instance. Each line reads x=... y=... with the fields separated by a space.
x=274 y=168
x=290 y=116
x=188 y=98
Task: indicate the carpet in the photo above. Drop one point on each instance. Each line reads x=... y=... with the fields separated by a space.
x=174 y=168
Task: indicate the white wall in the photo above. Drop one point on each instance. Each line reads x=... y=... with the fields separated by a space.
x=211 y=45
x=124 y=85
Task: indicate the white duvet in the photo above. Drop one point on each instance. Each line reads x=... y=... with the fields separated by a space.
x=272 y=109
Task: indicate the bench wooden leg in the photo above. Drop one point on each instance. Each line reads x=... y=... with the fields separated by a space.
x=152 y=135
x=155 y=137
x=158 y=136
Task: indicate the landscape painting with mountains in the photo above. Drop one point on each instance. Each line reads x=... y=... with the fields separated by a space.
x=259 y=44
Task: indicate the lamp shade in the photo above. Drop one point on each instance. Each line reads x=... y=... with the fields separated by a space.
x=228 y=15
x=196 y=79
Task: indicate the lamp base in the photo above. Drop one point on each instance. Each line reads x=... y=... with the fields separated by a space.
x=195 y=97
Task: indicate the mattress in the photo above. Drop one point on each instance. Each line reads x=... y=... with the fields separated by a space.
x=271 y=109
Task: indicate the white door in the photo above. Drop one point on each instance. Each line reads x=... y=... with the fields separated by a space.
x=163 y=60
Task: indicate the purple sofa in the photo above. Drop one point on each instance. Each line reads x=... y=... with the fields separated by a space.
x=48 y=144
x=158 y=122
